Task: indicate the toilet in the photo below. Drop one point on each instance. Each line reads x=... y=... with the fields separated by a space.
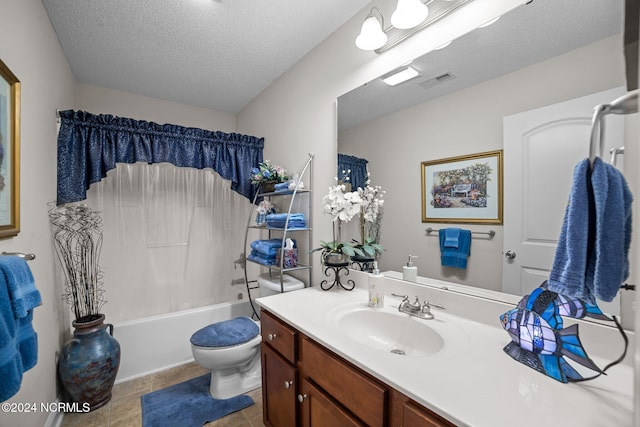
x=231 y=350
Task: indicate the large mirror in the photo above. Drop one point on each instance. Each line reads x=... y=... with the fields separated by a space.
x=539 y=54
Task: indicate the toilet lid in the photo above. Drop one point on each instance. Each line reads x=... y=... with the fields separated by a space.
x=226 y=333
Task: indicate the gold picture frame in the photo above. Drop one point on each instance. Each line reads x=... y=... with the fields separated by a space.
x=9 y=153
x=464 y=189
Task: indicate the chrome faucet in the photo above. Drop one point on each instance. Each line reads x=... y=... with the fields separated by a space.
x=416 y=309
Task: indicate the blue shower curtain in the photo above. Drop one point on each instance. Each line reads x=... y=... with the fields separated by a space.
x=358 y=168
x=90 y=145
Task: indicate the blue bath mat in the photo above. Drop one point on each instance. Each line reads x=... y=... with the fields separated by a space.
x=188 y=404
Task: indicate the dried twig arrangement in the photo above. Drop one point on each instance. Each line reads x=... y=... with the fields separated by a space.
x=77 y=237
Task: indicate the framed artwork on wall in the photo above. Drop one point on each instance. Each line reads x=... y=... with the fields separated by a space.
x=465 y=189
x=9 y=153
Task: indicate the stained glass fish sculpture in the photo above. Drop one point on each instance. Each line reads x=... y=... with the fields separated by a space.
x=538 y=338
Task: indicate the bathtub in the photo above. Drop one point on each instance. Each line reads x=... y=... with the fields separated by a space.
x=159 y=342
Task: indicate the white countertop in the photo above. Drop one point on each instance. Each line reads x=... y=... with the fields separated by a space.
x=471 y=381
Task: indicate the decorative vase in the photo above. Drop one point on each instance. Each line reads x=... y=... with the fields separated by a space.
x=89 y=363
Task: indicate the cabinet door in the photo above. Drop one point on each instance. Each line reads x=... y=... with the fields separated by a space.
x=319 y=410
x=278 y=389
x=415 y=416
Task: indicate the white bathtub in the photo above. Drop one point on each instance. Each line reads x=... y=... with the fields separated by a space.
x=156 y=343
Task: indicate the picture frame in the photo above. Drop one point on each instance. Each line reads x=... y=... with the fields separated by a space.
x=465 y=189
x=9 y=153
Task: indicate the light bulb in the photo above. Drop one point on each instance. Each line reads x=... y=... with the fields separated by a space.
x=409 y=14
x=371 y=36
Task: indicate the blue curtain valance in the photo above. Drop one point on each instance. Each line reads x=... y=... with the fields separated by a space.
x=358 y=176
x=90 y=145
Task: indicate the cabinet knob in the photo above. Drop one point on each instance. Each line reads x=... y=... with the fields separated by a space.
x=271 y=337
x=302 y=397
x=288 y=384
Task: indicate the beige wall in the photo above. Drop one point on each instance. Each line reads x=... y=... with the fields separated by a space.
x=465 y=122
x=29 y=47
x=297 y=113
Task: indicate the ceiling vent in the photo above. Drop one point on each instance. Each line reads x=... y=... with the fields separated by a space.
x=429 y=83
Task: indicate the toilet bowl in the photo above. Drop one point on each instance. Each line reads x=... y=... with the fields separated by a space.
x=231 y=350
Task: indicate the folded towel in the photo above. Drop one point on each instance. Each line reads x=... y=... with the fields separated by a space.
x=567 y=274
x=282 y=186
x=455 y=257
x=269 y=247
x=608 y=262
x=451 y=237
x=291 y=225
x=22 y=288
x=255 y=256
x=592 y=255
x=283 y=216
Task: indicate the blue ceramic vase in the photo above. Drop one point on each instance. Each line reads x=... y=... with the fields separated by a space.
x=89 y=363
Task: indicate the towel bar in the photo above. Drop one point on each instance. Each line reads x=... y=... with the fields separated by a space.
x=28 y=257
x=491 y=233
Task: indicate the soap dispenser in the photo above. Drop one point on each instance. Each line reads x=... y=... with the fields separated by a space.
x=410 y=271
x=376 y=296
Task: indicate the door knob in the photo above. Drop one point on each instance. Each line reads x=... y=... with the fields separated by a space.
x=288 y=384
x=302 y=397
x=510 y=255
x=271 y=337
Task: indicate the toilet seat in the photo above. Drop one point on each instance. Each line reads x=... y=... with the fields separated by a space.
x=227 y=333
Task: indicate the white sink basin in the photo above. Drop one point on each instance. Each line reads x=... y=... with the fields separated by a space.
x=390 y=332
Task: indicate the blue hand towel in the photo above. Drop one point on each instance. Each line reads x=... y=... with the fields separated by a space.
x=592 y=255
x=455 y=257
x=608 y=262
x=451 y=237
x=268 y=248
x=22 y=289
x=567 y=275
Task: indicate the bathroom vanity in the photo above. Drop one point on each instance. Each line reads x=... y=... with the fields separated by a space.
x=326 y=360
x=303 y=380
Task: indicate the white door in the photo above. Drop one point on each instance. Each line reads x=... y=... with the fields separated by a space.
x=541 y=148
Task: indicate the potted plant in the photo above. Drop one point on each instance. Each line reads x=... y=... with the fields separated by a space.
x=266 y=175
x=89 y=362
x=371 y=209
x=342 y=205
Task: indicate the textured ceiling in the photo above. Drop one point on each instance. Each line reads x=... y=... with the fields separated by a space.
x=214 y=54
x=527 y=35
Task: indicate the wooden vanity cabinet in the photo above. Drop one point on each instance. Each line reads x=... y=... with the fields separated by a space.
x=305 y=384
x=279 y=372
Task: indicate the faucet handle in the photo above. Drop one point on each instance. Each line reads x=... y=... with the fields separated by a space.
x=404 y=297
x=428 y=304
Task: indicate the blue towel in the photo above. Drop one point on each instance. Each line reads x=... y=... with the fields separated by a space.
x=592 y=256
x=567 y=275
x=18 y=340
x=22 y=288
x=282 y=186
x=10 y=361
x=268 y=248
x=296 y=220
x=608 y=264
x=455 y=257
x=451 y=237
x=256 y=256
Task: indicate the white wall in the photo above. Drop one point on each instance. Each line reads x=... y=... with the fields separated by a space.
x=466 y=122
x=29 y=47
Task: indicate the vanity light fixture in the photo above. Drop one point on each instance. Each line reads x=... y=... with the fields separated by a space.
x=409 y=18
x=401 y=76
x=409 y=14
x=371 y=35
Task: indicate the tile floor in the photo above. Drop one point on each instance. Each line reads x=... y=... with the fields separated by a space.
x=124 y=409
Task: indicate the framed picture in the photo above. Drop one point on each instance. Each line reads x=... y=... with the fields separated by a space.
x=9 y=153
x=465 y=189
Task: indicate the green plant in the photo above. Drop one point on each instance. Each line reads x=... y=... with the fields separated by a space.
x=368 y=249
